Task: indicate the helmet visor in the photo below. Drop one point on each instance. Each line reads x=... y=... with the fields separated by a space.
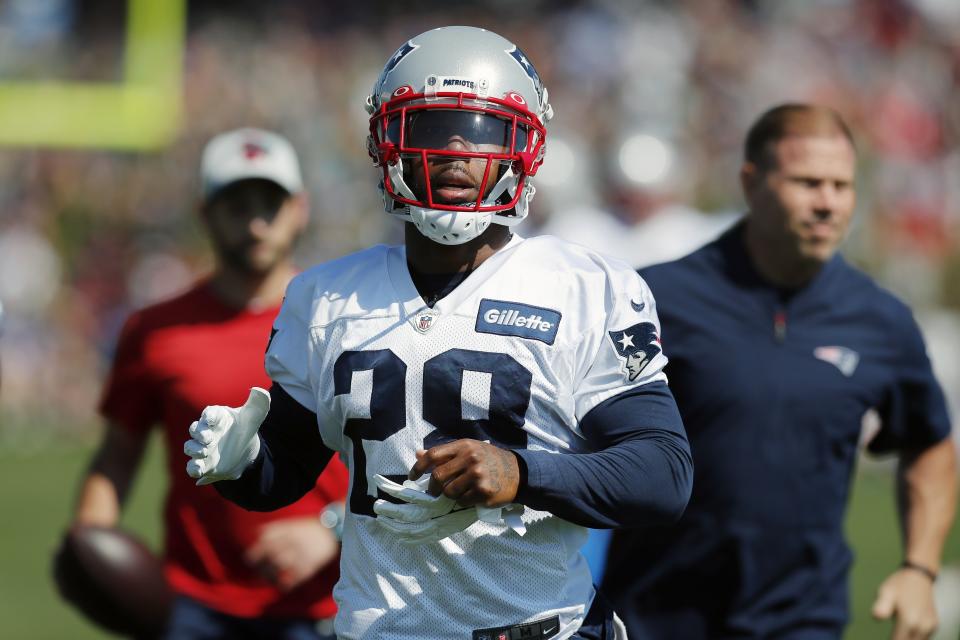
x=447 y=128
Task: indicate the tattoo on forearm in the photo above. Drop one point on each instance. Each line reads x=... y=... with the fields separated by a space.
x=501 y=472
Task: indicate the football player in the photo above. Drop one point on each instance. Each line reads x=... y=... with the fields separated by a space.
x=476 y=383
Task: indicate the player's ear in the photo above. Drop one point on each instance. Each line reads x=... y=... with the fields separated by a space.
x=749 y=176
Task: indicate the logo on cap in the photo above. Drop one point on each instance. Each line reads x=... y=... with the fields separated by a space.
x=252 y=150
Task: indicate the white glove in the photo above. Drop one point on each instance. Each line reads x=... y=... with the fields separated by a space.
x=224 y=440
x=424 y=517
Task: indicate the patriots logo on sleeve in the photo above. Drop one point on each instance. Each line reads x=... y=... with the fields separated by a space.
x=638 y=345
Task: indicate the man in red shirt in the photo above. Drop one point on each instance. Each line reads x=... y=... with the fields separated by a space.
x=236 y=574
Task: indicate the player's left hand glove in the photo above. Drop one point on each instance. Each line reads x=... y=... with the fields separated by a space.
x=422 y=517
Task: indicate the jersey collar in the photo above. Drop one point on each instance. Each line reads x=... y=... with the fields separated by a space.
x=409 y=298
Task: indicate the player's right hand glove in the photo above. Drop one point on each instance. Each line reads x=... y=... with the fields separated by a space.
x=422 y=517
x=224 y=441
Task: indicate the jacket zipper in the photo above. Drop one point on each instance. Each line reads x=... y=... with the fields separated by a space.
x=780 y=325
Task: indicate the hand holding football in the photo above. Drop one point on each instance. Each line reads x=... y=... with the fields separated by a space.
x=114 y=580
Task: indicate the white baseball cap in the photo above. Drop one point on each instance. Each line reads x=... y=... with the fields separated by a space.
x=247 y=153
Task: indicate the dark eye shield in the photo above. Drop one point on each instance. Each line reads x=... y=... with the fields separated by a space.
x=436 y=128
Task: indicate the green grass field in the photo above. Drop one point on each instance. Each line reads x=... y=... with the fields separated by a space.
x=37 y=491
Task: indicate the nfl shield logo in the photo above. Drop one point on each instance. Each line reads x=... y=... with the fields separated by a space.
x=424 y=320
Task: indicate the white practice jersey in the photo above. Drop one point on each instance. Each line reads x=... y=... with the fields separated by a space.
x=517 y=354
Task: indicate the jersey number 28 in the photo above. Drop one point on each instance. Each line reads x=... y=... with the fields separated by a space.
x=442 y=403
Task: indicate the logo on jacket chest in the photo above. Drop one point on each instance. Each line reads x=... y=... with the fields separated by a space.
x=843 y=358
x=521 y=320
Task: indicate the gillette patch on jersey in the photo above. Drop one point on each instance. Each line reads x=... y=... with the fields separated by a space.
x=515 y=319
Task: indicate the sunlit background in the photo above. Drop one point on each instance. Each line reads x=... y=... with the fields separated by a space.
x=105 y=105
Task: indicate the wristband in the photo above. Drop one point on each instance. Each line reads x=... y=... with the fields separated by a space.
x=332 y=518
x=927 y=571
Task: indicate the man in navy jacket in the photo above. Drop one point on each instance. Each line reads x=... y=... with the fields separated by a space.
x=777 y=349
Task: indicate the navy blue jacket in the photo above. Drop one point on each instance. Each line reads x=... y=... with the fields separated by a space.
x=772 y=386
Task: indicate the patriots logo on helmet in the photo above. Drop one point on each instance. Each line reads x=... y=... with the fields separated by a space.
x=392 y=63
x=638 y=344
x=527 y=66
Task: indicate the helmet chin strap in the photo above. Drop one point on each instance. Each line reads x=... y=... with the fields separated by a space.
x=450 y=227
x=396 y=178
x=520 y=210
x=457 y=227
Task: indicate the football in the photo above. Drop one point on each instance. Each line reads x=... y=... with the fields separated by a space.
x=114 y=580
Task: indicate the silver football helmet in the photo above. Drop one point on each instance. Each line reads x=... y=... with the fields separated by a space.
x=457 y=125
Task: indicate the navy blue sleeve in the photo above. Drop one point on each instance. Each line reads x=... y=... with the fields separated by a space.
x=913 y=413
x=640 y=472
x=292 y=456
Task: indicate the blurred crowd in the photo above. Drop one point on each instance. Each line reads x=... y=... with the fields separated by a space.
x=652 y=100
